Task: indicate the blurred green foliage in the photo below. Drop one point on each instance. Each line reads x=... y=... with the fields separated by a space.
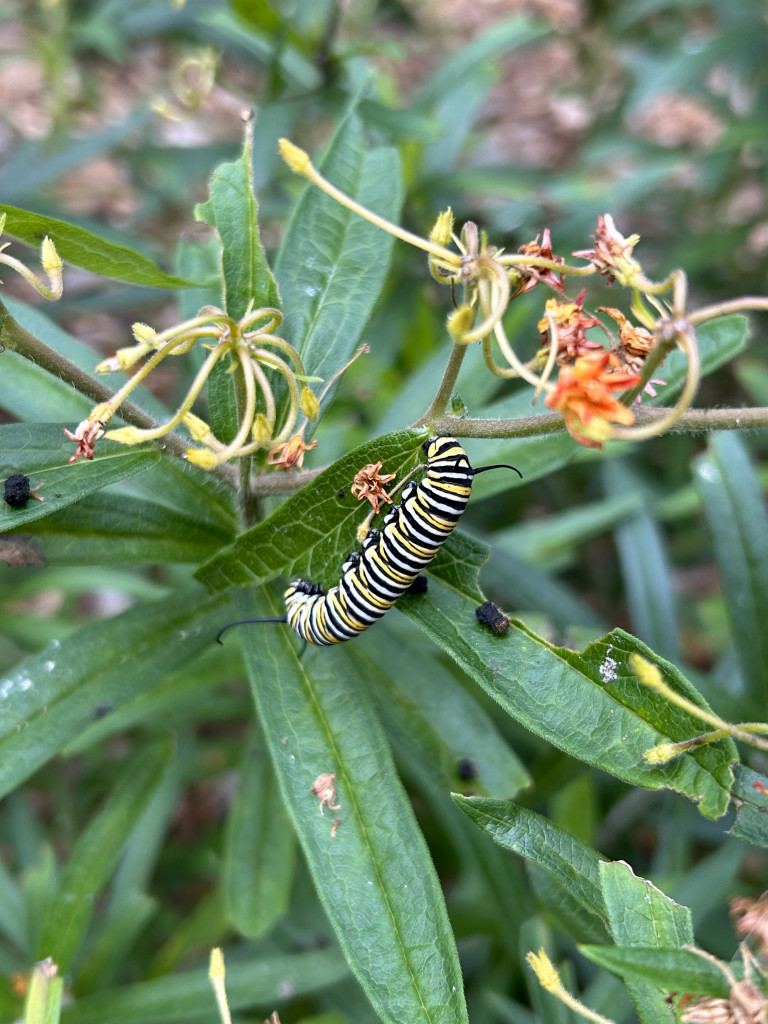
x=148 y=812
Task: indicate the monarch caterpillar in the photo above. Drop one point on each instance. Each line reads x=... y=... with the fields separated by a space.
x=390 y=559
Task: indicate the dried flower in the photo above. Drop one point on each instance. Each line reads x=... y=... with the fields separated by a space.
x=584 y=396
x=86 y=434
x=290 y=453
x=324 y=789
x=612 y=254
x=571 y=324
x=369 y=483
x=746 y=1003
x=751 y=918
x=531 y=275
x=634 y=345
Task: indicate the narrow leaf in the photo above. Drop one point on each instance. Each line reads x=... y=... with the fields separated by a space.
x=96 y=852
x=668 y=968
x=122 y=530
x=233 y=211
x=51 y=697
x=644 y=566
x=332 y=264
x=259 y=854
x=639 y=914
x=86 y=250
x=735 y=510
x=587 y=703
x=41 y=452
x=315 y=529
x=570 y=862
x=368 y=859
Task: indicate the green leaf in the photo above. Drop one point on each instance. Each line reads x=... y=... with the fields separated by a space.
x=589 y=704
x=736 y=515
x=233 y=211
x=259 y=853
x=43 y=1002
x=668 y=968
x=639 y=914
x=31 y=392
x=431 y=718
x=42 y=452
x=261 y=982
x=96 y=853
x=86 y=250
x=486 y=47
x=315 y=529
x=750 y=794
x=246 y=279
x=122 y=530
x=372 y=871
x=573 y=864
x=550 y=542
x=332 y=264
x=644 y=566
x=51 y=697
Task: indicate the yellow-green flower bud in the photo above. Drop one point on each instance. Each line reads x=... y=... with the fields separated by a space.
x=3 y=217
x=202 y=457
x=144 y=334
x=460 y=322
x=661 y=754
x=645 y=670
x=126 y=435
x=260 y=430
x=309 y=403
x=123 y=359
x=296 y=158
x=197 y=427
x=50 y=258
x=441 y=232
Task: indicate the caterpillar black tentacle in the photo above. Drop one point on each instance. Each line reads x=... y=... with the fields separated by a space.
x=390 y=559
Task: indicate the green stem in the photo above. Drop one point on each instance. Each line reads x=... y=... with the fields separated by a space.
x=445 y=391
x=742 y=305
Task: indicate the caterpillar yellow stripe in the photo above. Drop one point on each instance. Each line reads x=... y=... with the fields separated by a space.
x=390 y=559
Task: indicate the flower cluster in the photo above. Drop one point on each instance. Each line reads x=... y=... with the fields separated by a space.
x=597 y=381
x=252 y=348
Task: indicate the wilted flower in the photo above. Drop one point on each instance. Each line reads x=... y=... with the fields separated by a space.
x=290 y=453
x=531 y=275
x=612 y=254
x=369 y=483
x=571 y=323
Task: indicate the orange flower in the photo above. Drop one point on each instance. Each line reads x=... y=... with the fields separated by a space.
x=290 y=454
x=584 y=396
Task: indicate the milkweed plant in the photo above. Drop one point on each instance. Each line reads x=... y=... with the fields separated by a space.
x=219 y=483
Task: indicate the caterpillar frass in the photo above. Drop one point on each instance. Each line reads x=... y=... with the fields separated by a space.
x=390 y=559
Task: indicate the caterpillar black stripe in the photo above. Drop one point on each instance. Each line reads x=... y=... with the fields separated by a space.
x=390 y=559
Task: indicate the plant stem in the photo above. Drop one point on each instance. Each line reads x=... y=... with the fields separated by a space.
x=444 y=392
x=744 y=304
